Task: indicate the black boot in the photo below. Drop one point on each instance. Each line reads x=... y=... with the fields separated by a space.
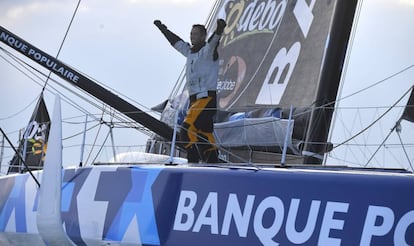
x=192 y=154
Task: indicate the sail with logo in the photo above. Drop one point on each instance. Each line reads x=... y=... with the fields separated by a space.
x=33 y=145
x=274 y=55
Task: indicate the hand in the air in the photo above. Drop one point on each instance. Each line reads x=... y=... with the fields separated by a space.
x=221 y=24
x=159 y=24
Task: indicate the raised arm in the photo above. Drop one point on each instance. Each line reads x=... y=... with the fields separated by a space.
x=214 y=39
x=171 y=37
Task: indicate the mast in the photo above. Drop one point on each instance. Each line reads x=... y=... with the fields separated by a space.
x=76 y=79
x=321 y=116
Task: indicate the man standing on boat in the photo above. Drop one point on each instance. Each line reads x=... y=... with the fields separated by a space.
x=202 y=68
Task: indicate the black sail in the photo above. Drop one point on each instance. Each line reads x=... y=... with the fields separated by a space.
x=277 y=54
x=33 y=145
x=409 y=109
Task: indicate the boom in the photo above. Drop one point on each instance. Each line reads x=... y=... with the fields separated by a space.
x=76 y=79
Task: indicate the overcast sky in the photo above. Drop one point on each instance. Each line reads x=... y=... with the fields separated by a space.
x=115 y=42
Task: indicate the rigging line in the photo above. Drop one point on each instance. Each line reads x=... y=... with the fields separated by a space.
x=111 y=132
x=91 y=102
x=116 y=92
x=23 y=64
x=370 y=107
x=373 y=123
x=20 y=157
x=142 y=146
x=68 y=100
x=68 y=119
x=22 y=110
x=389 y=145
x=379 y=82
x=351 y=41
x=178 y=84
x=212 y=13
x=1 y=151
x=382 y=144
x=48 y=77
x=79 y=133
x=357 y=92
x=345 y=160
x=405 y=151
x=56 y=91
x=63 y=41
x=94 y=98
x=96 y=139
x=102 y=146
x=370 y=86
x=76 y=122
